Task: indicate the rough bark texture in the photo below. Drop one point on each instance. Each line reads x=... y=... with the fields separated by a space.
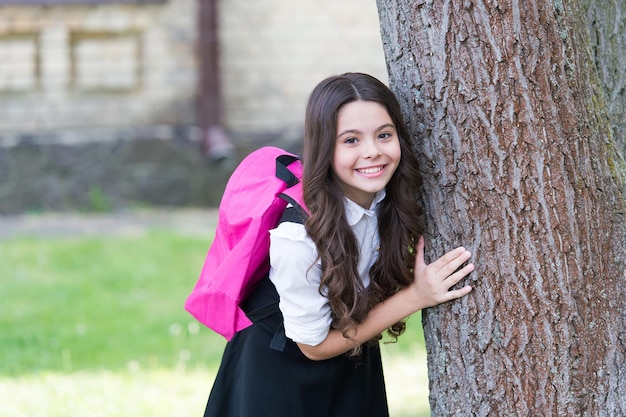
x=512 y=131
x=606 y=21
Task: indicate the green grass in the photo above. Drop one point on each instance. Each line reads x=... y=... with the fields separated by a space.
x=101 y=303
x=103 y=317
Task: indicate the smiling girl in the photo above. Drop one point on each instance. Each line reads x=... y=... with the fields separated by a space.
x=353 y=269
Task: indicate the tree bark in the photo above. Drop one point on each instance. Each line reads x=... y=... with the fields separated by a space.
x=606 y=21
x=510 y=124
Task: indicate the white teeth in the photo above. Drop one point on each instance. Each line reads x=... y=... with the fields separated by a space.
x=370 y=170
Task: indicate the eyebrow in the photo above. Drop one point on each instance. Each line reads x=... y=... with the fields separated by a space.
x=378 y=129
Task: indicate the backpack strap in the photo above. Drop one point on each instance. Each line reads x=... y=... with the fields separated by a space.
x=293 y=193
x=283 y=173
x=294 y=214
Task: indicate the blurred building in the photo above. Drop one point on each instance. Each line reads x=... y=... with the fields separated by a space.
x=104 y=103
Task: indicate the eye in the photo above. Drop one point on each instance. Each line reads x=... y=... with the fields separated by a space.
x=384 y=135
x=351 y=140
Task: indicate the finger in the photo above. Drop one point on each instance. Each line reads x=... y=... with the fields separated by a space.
x=454 y=263
x=456 y=277
x=450 y=256
x=454 y=294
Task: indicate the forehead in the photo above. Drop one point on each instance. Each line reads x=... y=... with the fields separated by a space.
x=363 y=116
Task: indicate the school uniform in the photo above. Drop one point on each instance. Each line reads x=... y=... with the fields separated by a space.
x=264 y=373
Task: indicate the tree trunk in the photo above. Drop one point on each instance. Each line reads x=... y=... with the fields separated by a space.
x=509 y=121
x=606 y=20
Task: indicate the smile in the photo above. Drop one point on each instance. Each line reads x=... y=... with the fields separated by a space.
x=372 y=170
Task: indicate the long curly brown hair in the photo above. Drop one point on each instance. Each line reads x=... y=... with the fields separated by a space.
x=399 y=215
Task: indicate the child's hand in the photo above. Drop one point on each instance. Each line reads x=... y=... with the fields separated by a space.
x=433 y=282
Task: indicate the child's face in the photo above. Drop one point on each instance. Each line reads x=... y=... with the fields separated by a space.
x=367 y=151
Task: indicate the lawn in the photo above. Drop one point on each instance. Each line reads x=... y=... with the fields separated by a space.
x=96 y=326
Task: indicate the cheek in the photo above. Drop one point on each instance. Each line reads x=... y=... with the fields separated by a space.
x=337 y=165
x=342 y=160
x=395 y=155
x=396 y=152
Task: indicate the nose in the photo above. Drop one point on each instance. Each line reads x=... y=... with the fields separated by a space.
x=371 y=150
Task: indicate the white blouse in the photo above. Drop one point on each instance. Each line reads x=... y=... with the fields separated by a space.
x=297 y=275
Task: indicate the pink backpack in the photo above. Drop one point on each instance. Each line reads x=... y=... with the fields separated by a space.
x=254 y=199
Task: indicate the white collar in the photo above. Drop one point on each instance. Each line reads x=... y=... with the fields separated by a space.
x=355 y=212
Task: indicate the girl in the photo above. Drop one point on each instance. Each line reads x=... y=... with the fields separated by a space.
x=353 y=269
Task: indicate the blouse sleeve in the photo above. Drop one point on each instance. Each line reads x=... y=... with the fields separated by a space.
x=306 y=312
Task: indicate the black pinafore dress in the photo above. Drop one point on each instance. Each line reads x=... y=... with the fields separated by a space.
x=264 y=374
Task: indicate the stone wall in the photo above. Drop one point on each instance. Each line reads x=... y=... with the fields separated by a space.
x=117 y=170
x=106 y=175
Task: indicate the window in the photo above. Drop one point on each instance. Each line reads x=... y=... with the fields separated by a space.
x=20 y=64
x=105 y=61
